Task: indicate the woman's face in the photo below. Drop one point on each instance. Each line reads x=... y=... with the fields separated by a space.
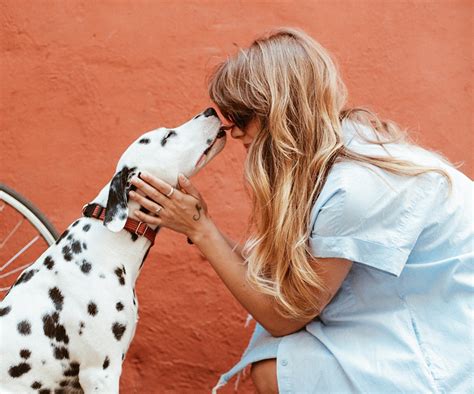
x=246 y=135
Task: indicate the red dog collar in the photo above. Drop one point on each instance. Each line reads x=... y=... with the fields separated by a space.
x=131 y=225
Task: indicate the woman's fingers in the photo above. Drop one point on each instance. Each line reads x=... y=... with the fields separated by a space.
x=153 y=207
x=188 y=187
x=144 y=217
x=155 y=194
x=158 y=184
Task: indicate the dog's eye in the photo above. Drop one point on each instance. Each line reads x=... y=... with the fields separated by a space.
x=168 y=135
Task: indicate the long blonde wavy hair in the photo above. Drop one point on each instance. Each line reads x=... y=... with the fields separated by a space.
x=290 y=84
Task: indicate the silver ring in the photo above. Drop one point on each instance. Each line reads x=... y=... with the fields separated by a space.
x=171 y=192
x=157 y=210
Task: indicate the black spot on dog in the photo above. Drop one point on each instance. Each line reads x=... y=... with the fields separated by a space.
x=73 y=369
x=49 y=262
x=36 y=385
x=5 y=311
x=26 y=276
x=84 y=246
x=25 y=353
x=64 y=383
x=57 y=298
x=81 y=326
x=102 y=276
x=76 y=247
x=164 y=140
x=61 y=335
x=120 y=275
x=64 y=234
x=61 y=353
x=118 y=329
x=49 y=326
x=123 y=216
x=76 y=223
x=123 y=356
x=69 y=237
x=44 y=391
x=134 y=237
x=118 y=199
x=144 y=141
x=76 y=384
x=86 y=266
x=119 y=306
x=24 y=327
x=106 y=363
x=18 y=370
x=86 y=227
x=59 y=391
x=67 y=253
x=92 y=309
x=52 y=329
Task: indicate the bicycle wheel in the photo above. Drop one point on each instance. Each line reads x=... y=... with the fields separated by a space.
x=24 y=234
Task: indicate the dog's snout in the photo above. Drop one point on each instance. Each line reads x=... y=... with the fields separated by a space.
x=210 y=112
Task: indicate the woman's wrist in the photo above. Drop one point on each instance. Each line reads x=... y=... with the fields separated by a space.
x=203 y=231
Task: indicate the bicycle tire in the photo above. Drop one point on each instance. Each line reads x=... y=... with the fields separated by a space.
x=30 y=212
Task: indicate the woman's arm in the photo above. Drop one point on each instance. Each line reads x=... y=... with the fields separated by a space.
x=234 y=245
x=184 y=213
x=231 y=269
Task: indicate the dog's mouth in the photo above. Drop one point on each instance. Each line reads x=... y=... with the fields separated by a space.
x=213 y=149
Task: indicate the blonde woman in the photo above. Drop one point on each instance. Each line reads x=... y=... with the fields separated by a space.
x=359 y=266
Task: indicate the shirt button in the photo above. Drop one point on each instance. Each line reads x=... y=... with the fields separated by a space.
x=284 y=362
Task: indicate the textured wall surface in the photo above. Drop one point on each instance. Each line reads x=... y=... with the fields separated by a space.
x=81 y=79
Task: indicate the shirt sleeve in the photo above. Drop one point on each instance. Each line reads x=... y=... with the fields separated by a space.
x=371 y=217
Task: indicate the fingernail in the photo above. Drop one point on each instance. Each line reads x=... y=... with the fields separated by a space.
x=137 y=213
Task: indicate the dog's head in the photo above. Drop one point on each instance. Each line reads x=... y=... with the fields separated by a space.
x=164 y=153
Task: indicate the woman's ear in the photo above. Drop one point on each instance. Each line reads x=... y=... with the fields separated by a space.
x=116 y=213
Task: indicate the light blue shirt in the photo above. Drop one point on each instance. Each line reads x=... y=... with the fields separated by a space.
x=402 y=321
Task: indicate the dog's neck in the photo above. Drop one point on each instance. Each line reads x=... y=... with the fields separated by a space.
x=130 y=252
x=133 y=206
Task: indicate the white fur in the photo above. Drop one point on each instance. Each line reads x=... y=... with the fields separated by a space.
x=106 y=252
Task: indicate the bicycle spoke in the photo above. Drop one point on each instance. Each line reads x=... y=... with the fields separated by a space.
x=20 y=252
x=15 y=270
x=17 y=226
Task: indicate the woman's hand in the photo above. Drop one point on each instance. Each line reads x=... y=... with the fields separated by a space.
x=183 y=211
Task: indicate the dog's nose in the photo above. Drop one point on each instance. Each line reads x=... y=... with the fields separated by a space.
x=210 y=112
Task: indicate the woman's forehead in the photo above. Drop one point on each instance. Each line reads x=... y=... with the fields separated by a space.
x=225 y=121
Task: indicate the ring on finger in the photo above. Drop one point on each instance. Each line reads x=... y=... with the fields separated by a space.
x=158 y=209
x=170 y=193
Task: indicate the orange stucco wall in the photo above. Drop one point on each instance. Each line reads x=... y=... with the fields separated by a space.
x=81 y=79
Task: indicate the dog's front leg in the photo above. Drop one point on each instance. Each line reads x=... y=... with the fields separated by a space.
x=98 y=380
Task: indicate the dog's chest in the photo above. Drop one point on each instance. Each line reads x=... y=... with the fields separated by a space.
x=75 y=306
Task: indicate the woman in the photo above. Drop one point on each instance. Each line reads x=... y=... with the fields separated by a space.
x=357 y=271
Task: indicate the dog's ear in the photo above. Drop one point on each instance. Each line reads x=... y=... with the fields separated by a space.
x=116 y=213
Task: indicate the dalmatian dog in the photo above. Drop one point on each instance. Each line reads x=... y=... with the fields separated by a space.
x=66 y=324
